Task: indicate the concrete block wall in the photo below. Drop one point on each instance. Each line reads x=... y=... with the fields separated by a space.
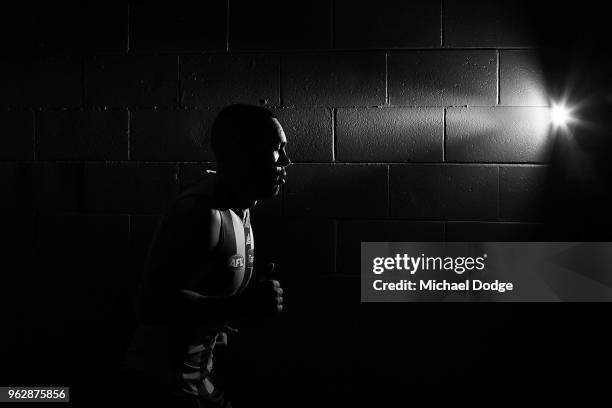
x=405 y=121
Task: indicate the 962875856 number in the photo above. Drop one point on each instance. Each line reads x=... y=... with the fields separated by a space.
x=55 y=394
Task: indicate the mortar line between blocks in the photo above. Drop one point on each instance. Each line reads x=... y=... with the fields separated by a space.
x=444 y=135
x=334 y=119
x=333 y=24
x=127 y=45
x=386 y=78
x=227 y=25
x=441 y=23
x=498 y=77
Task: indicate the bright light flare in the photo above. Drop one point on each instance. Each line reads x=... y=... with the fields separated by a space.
x=560 y=115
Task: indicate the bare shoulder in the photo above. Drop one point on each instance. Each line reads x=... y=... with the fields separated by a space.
x=194 y=216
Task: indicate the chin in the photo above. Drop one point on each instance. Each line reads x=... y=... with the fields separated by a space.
x=269 y=193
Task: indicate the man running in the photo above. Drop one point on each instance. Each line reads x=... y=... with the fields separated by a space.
x=199 y=270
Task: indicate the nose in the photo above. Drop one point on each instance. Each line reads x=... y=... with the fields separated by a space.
x=284 y=160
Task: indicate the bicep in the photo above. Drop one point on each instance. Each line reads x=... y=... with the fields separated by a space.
x=183 y=243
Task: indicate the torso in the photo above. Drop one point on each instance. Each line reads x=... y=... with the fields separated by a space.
x=184 y=357
x=231 y=265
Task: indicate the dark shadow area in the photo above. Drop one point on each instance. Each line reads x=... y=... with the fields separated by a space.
x=70 y=321
x=68 y=315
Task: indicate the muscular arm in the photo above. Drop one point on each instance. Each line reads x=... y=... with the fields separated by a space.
x=179 y=252
x=182 y=244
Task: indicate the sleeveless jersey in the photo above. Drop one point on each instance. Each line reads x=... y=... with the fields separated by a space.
x=183 y=356
x=236 y=253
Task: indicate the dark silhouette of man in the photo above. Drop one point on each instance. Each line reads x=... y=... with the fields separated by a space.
x=199 y=274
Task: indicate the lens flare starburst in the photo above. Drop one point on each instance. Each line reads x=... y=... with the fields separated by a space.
x=560 y=115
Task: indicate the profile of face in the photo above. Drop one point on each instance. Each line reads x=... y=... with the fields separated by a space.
x=265 y=165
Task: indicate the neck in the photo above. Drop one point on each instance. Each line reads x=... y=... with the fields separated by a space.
x=231 y=197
